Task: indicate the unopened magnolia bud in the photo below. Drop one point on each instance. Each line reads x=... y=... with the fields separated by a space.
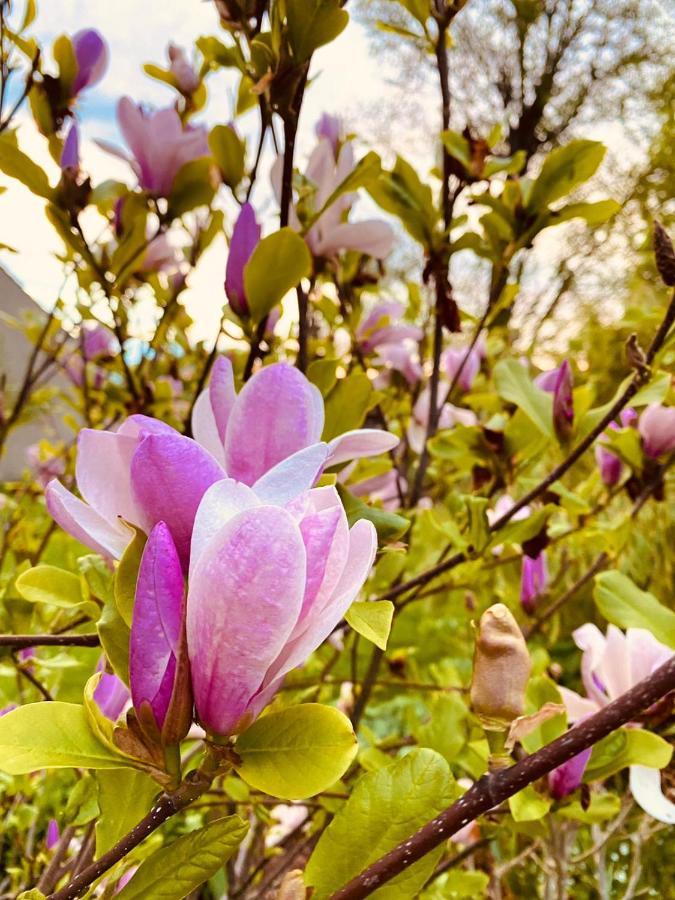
x=665 y=255
x=501 y=668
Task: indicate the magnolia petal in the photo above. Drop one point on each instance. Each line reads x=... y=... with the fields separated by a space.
x=103 y=474
x=170 y=474
x=359 y=443
x=156 y=628
x=85 y=524
x=645 y=653
x=204 y=428
x=292 y=476
x=373 y=237
x=221 y=502
x=614 y=670
x=277 y=413
x=577 y=707
x=645 y=786
x=244 y=599
x=320 y=622
x=325 y=532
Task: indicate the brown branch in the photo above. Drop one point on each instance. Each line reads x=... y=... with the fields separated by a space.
x=496 y=787
x=22 y=641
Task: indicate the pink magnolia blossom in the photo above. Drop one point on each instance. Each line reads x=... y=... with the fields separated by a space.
x=533 y=582
x=559 y=382
x=269 y=581
x=609 y=464
x=565 y=779
x=332 y=232
x=160 y=256
x=384 y=487
x=268 y=437
x=612 y=664
x=160 y=145
x=245 y=238
x=399 y=358
x=181 y=69
x=53 y=834
x=330 y=128
x=383 y=326
x=452 y=360
x=657 y=430
x=111 y=694
x=44 y=464
x=91 y=55
x=449 y=417
x=70 y=155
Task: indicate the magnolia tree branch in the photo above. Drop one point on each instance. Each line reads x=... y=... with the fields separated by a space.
x=495 y=787
x=22 y=641
x=196 y=783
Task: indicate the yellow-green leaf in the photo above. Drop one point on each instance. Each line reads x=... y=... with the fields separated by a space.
x=278 y=263
x=372 y=620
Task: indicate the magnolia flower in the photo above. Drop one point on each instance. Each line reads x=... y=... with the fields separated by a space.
x=158 y=671
x=610 y=666
x=533 y=581
x=70 y=155
x=269 y=580
x=44 y=464
x=145 y=472
x=384 y=487
x=657 y=430
x=330 y=129
x=400 y=358
x=559 y=383
x=186 y=77
x=382 y=326
x=332 y=233
x=98 y=342
x=245 y=238
x=53 y=834
x=568 y=777
x=91 y=55
x=160 y=256
x=609 y=464
x=453 y=358
x=111 y=694
x=449 y=417
x=161 y=145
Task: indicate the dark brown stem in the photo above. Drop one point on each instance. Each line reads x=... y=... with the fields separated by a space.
x=21 y=641
x=367 y=686
x=496 y=787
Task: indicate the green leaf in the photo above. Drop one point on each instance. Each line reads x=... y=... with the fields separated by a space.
x=51 y=735
x=277 y=265
x=364 y=173
x=621 y=602
x=444 y=731
x=174 y=871
x=313 y=23
x=163 y=75
x=627 y=747
x=386 y=807
x=117 y=818
x=402 y=193
x=193 y=186
x=458 y=884
x=603 y=806
x=390 y=526
x=49 y=584
x=126 y=576
x=64 y=56
x=513 y=383
x=347 y=404
x=564 y=169
x=540 y=691
x=592 y=213
x=229 y=152
x=528 y=805
x=372 y=620
x=16 y=164
x=458 y=147
x=114 y=634
x=298 y=752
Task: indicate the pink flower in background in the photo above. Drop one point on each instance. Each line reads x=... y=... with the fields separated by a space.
x=612 y=664
x=657 y=430
x=98 y=342
x=53 y=834
x=91 y=55
x=384 y=487
x=160 y=145
x=533 y=581
x=449 y=417
x=452 y=360
x=145 y=472
x=70 y=155
x=330 y=128
x=160 y=256
x=245 y=238
x=44 y=465
x=269 y=581
x=383 y=326
x=559 y=382
x=186 y=77
x=568 y=777
x=332 y=233
x=398 y=358
x=609 y=464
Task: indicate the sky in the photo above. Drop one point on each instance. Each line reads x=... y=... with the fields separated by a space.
x=344 y=77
